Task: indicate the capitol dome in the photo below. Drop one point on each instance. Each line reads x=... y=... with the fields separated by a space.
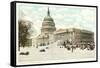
x=48 y=18
x=48 y=25
x=48 y=21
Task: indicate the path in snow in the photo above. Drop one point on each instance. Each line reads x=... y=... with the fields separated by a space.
x=54 y=54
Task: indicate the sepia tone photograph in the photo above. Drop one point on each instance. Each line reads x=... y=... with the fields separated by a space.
x=47 y=33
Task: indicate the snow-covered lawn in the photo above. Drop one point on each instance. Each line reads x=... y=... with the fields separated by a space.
x=54 y=54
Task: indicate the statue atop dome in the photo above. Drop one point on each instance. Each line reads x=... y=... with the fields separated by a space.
x=48 y=12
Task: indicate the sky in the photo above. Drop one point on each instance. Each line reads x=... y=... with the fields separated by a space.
x=64 y=16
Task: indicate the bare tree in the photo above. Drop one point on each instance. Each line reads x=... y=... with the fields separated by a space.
x=24 y=26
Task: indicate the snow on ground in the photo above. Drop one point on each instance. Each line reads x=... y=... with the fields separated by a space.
x=54 y=54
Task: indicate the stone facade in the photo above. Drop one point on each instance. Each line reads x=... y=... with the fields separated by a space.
x=79 y=38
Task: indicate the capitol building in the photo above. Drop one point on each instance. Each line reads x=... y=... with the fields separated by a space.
x=47 y=30
x=69 y=36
